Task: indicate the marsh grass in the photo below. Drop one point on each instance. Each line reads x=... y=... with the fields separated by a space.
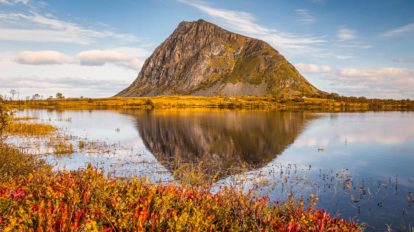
x=189 y=175
x=63 y=148
x=26 y=118
x=29 y=129
x=81 y=144
x=96 y=147
x=205 y=172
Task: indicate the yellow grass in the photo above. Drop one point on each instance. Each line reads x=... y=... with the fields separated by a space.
x=317 y=100
x=63 y=149
x=149 y=103
x=24 y=118
x=29 y=129
x=217 y=102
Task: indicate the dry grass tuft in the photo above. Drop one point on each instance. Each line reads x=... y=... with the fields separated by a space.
x=29 y=129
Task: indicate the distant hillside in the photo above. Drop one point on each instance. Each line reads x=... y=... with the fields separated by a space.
x=200 y=58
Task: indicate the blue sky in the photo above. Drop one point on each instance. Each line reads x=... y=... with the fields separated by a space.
x=96 y=48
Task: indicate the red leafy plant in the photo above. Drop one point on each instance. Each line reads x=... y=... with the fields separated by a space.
x=86 y=200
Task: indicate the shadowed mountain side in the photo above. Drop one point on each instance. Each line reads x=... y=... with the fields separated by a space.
x=223 y=141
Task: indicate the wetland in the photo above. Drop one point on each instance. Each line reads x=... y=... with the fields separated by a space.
x=358 y=164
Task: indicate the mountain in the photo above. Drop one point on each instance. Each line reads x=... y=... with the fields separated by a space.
x=200 y=58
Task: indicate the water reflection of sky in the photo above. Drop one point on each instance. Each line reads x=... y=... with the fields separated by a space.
x=322 y=153
x=378 y=144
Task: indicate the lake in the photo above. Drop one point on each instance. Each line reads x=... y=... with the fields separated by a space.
x=361 y=165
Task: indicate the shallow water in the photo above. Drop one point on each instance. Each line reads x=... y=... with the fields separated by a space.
x=361 y=165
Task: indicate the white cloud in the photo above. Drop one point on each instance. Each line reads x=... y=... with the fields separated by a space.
x=407 y=29
x=42 y=58
x=377 y=73
x=305 y=16
x=374 y=82
x=101 y=57
x=313 y=68
x=34 y=27
x=244 y=22
x=343 y=57
x=129 y=57
x=355 y=44
x=12 y=2
x=383 y=82
x=345 y=34
x=348 y=39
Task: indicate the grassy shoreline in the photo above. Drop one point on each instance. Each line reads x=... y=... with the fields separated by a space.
x=244 y=102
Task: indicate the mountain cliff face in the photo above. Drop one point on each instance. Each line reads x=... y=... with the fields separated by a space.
x=200 y=58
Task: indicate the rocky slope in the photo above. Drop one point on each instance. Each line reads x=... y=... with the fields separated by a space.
x=200 y=58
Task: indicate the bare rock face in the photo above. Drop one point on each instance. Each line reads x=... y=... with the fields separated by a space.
x=200 y=58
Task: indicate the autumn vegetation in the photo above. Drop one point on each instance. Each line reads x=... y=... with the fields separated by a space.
x=25 y=128
x=327 y=102
x=86 y=200
x=34 y=197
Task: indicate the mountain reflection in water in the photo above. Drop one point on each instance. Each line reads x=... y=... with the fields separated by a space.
x=223 y=141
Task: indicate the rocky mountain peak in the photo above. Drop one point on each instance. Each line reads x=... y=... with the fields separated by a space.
x=200 y=58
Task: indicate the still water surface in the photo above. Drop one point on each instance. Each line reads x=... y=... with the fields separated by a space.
x=361 y=165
